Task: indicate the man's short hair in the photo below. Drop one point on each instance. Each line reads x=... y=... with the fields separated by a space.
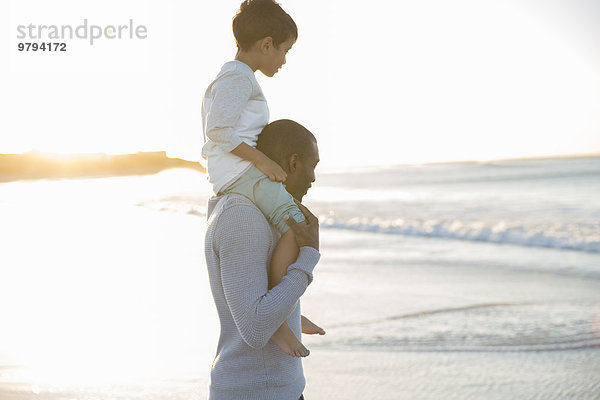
x=282 y=138
x=257 y=19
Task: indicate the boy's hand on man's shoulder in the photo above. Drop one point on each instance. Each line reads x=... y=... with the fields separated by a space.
x=271 y=169
x=267 y=166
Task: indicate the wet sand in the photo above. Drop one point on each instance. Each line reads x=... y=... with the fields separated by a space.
x=106 y=299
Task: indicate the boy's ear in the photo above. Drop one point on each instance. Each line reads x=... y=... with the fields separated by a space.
x=266 y=44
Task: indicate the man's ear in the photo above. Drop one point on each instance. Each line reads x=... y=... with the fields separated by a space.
x=293 y=163
x=266 y=44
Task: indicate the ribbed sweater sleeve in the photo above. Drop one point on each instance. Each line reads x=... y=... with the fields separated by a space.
x=230 y=96
x=242 y=239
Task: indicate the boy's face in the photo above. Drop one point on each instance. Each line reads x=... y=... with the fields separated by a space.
x=274 y=56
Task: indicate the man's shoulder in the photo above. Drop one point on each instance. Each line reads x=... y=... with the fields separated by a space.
x=233 y=205
x=230 y=200
x=233 y=219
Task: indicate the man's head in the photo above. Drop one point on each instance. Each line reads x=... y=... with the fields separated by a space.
x=294 y=148
x=262 y=28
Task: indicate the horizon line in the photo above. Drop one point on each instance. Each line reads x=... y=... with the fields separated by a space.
x=541 y=157
x=449 y=161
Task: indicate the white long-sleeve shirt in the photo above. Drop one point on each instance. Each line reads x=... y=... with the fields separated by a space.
x=234 y=110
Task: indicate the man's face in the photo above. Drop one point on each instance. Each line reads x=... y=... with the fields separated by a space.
x=300 y=180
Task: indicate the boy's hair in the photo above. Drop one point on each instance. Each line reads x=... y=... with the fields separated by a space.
x=257 y=19
x=282 y=138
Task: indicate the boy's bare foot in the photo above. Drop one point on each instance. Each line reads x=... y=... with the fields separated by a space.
x=288 y=342
x=310 y=328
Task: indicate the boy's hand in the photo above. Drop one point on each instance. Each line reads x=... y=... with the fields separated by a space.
x=267 y=166
x=271 y=169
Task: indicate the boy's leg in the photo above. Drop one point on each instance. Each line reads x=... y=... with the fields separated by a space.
x=285 y=254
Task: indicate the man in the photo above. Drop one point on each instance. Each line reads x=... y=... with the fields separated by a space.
x=238 y=246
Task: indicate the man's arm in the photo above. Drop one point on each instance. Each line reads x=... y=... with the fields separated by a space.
x=242 y=240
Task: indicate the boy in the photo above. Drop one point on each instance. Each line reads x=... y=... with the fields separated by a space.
x=234 y=112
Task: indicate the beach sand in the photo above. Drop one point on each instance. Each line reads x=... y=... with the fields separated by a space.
x=346 y=374
x=101 y=298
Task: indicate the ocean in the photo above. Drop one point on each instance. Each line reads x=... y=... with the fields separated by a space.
x=438 y=281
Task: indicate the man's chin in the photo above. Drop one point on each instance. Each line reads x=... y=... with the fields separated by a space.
x=298 y=196
x=301 y=196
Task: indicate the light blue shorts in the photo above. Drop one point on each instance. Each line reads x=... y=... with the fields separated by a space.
x=270 y=197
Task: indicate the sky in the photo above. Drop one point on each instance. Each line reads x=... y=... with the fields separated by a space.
x=378 y=83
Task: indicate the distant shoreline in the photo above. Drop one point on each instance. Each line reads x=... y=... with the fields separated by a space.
x=35 y=165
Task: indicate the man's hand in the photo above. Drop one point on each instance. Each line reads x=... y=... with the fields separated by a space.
x=306 y=234
x=271 y=169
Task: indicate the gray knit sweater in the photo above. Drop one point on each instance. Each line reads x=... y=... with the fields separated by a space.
x=238 y=246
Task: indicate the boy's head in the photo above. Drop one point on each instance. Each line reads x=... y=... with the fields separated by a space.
x=258 y=19
x=261 y=26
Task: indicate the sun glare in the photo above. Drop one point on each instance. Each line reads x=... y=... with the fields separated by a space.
x=461 y=80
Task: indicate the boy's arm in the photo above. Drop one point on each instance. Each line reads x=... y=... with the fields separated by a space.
x=269 y=167
x=231 y=94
